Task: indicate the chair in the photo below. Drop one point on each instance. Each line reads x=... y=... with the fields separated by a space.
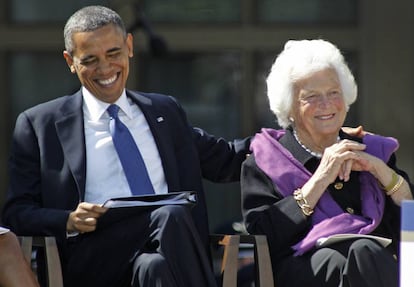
x=52 y=261
x=229 y=265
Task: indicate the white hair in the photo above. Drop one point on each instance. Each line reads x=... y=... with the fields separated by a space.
x=298 y=60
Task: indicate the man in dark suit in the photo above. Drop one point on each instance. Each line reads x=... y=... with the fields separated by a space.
x=63 y=166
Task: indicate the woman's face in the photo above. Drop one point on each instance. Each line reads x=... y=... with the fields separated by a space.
x=319 y=109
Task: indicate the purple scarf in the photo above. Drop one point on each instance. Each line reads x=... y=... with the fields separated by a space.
x=328 y=218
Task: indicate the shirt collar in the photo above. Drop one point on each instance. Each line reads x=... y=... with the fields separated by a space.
x=95 y=108
x=308 y=160
x=289 y=142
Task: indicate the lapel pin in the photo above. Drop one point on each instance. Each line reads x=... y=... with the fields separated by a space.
x=160 y=119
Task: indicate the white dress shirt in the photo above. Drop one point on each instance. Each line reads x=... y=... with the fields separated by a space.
x=105 y=177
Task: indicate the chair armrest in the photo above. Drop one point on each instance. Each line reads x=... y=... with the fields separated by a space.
x=229 y=266
x=53 y=265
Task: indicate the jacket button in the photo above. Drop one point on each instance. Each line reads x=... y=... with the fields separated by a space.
x=350 y=210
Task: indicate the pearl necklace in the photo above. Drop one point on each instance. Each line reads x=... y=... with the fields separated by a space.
x=315 y=154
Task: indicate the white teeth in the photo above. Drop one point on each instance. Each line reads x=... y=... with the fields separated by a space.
x=325 y=117
x=108 y=81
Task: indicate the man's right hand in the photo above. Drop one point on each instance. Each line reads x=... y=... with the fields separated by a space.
x=84 y=218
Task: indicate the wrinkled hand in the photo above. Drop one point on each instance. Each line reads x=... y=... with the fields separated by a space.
x=348 y=165
x=339 y=159
x=364 y=162
x=84 y=218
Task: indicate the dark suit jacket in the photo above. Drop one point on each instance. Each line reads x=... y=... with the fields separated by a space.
x=266 y=211
x=47 y=163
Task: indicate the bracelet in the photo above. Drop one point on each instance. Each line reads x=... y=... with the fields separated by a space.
x=396 y=182
x=396 y=186
x=302 y=202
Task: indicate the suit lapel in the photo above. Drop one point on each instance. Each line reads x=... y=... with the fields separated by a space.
x=158 y=123
x=70 y=130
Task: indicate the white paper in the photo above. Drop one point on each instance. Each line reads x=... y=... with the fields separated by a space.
x=132 y=203
x=177 y=198
x=4 y=230
x=321 y=242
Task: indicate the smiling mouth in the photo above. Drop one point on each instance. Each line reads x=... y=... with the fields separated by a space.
x=326 y=117
x=109 y=81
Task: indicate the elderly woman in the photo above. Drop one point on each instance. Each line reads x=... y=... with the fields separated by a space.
x=312 y=180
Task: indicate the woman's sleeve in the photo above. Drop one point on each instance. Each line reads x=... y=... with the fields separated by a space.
x=266 y=212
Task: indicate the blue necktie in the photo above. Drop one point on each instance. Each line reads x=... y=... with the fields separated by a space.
x=129 y=155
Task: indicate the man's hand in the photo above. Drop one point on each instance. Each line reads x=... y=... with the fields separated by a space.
x=84 y=218
x=356 y=132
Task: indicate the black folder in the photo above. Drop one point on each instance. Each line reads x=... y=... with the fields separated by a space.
x=121 y=207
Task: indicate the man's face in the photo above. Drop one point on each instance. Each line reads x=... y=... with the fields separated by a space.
x=101 y=61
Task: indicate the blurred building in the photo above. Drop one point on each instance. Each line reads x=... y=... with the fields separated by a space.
x=214 y=55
